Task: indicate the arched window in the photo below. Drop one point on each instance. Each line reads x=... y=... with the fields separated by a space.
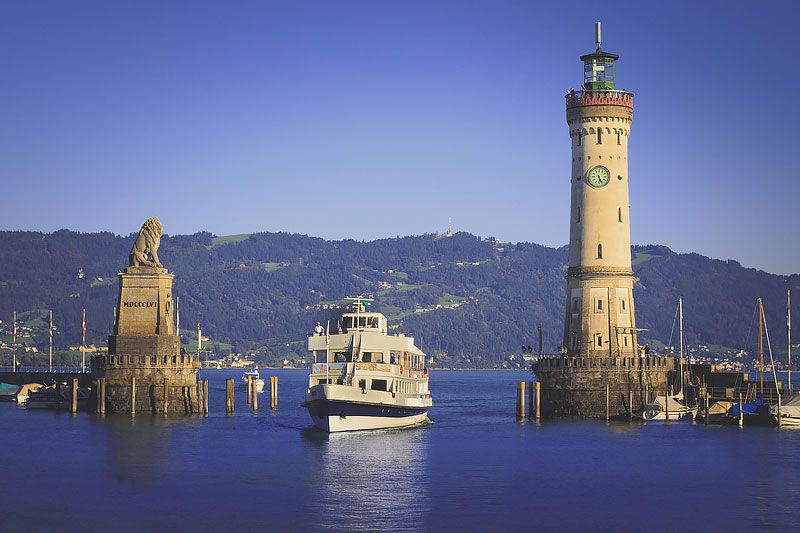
x=599 y=251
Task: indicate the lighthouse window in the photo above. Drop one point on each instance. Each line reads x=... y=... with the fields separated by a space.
x=625 y=341
x=575 y=305
x=599 y=305
x=599 y=341
x=619 y=213
x=617 y=138
x=599 y=135
x=599 y=251
x=579 y=215
x=579 y=138
x=622 y=304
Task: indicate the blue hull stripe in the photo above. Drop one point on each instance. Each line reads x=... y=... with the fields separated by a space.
x=323 y=408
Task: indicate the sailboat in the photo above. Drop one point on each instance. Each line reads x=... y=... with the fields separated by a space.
x=789 y=413
x=757 y=413
x=671 y=406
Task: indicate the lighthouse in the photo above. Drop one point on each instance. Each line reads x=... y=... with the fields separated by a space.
x=600 y=319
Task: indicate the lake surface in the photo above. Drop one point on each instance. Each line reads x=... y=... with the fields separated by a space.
x=475 y=468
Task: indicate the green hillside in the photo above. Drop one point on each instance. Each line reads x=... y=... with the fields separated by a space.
x=470 y=302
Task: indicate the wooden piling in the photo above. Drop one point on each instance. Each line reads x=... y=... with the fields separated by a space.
x=249 y=390
x=254 y=388
x=166 y=395
x=608 y=399
x=229 y=396
x=276 y=391
x=538 y=400
x=630 y=405
x=74 y=408
x=133 y=395
x=205 y=397
x=521 y=399
x=741 y=413
x=531 y=392
x=273 y=392
x=102 y=398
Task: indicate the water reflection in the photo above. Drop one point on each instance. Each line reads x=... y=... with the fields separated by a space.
x=139 y=446
x=371 y=480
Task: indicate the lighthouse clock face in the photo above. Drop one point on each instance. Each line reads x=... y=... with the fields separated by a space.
x=598 y=176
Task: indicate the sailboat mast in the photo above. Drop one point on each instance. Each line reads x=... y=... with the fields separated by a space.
x=680 y=312
x=761 y=341
x=789 y=333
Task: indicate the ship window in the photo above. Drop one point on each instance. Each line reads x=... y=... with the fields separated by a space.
x=362 y=384
x=372 y=322
x=366 y=357
x=347 y=322
x=362 y=321
x=378 y=384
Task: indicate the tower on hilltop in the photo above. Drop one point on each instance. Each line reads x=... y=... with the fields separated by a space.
x=600 y=320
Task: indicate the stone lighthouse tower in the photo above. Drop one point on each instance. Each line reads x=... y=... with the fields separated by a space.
x=600 y=320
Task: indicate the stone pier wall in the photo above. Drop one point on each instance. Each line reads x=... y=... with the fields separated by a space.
x=180 y=372
x=576 y=386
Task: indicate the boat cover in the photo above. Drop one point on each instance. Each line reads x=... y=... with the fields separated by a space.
x=750 y=408
x=790 y=406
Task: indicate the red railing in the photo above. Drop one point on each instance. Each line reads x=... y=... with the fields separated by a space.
x=583 y=98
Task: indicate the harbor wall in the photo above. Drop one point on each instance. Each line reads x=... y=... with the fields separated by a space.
x=576 y=386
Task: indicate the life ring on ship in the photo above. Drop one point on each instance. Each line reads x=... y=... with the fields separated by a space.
x=401 y=370
x=323 y=370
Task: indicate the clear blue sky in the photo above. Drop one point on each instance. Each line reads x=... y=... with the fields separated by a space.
x=374 y=119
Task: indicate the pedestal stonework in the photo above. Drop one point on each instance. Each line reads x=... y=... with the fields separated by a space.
x=145 y=346
x=576 y=386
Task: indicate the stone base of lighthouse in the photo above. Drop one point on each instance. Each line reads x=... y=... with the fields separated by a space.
x=576 y=386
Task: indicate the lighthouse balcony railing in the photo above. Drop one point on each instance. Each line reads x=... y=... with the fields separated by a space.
x=599 y=97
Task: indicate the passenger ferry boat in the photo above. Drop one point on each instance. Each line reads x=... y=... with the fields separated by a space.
x=364 y=378
x=244 y=384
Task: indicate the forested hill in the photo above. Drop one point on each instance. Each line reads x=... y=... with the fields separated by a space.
x=468 y=301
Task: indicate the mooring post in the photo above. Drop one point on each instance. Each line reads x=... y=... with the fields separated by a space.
x=102 y=399
x=74 y=408
x=276 y=391
x=538 y=400
x=630 y=405
x=229 y=396
x=531 y=393
x=199 y=391
x=520 y=399
x=166 y=395
x=666 y=405
x=133 y=395
x=706 y=405
x=205 y=397
x=608 y=399
x=741 y=413
x=249 y=389
x=254 y=387
x=646 y=396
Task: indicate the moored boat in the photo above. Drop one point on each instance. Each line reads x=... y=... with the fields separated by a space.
x=251 y=375
x=53 y=398
x=665 y=408
x=364 y=378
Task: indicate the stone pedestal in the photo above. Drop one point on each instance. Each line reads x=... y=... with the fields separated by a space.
x=577 y=386
x=145 y=346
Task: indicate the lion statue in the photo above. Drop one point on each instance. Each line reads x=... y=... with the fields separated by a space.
x=147 y=245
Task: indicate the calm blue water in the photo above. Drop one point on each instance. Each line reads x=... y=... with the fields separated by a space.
x=475 y=469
